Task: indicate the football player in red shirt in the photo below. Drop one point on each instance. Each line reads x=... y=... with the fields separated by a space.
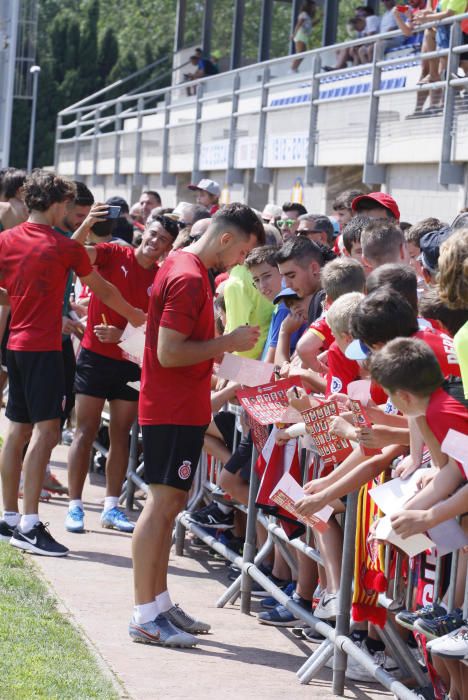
x=175 y=407
x=34 y=264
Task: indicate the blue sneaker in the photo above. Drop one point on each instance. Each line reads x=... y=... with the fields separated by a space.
x=74 y=522
x=270 y=602
x=115 y=519
x=278 y=617
x=162 y=632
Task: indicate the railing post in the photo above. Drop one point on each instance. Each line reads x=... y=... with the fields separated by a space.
x=450 y=173
x=313 y=173
x=263 y=176
x=233 y=175
x=118 y=178
x=138 y=178
x=166 y=177
x=58 y=134
x=77 y=144
x=250 y=536
x=372 y=173
x=95 y=147
x=196 y=174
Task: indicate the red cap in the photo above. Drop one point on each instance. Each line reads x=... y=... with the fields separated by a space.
x=385 y=200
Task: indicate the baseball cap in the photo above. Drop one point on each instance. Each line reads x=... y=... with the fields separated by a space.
x=207 y=186
x=118 y=202
x=385 y=200
x=272 y=210
x=285 y=293
x=430 y=247
x=357 y=350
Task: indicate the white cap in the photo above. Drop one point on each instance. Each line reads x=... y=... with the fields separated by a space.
x=272 y=210
x=207 y=186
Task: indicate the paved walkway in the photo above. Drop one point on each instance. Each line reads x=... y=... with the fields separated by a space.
x=240 y=659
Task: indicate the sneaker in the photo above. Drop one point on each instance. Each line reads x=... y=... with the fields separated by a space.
x=185 y=622
x=440 y=626
x=278 y=617
x=38 y=541
x=6 y=531
x=260 y=592
x=270 y=602
x=52 y=484
x=407 y=619
x=356 y=672
x=327 y=607
x=74 y=522
x=307 y=633
x=212 y=517
x=115 y=519
x=44 y=496
x=453 y=645
x=160 y=631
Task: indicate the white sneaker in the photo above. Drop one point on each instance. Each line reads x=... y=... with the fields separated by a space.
x=327 y=607
x=452 y=646
x=356 y=672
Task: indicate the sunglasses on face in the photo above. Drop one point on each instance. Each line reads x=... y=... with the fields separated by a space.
x=285 y=223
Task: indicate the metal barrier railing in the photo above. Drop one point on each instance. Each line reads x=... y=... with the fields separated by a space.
x=234 y=95
x=337 y=642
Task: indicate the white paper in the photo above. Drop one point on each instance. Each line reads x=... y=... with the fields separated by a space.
x=448 y=536
x=245 y=371
x=292 y=489
x=360 y=391
x=415 y=544
x=455 y=445
x=132 y=343
x=392 y=496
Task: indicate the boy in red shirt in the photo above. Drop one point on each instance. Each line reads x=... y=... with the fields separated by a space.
x=34 y=264
x=102 y=372
x=175 y=408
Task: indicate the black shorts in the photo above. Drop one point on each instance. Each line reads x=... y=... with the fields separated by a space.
x=226 y=424
x=171 y=453
x=240 y=462
x=104 y=377
x=36 y=386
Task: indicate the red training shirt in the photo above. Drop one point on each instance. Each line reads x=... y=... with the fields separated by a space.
x=445 y=411
x=34 y=264
x=181 y=300
x=118 y=265
x=342 y=371
x=442 y=346
x=321 y=328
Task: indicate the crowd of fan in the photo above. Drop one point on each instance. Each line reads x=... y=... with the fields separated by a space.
x=354 y=295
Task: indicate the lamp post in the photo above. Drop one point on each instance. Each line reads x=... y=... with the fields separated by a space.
x=34 y=70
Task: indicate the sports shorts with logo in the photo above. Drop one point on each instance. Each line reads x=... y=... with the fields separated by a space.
x=36 y=382
x=171 y=453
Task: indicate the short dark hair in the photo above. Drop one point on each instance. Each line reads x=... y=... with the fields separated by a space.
x=420 y=228
x=407 y=364
x=431 y=306
x=402 y=278
x=199 y=213
x=301 y=250
x=42 y=189
x=368 y=203
x=321 y=223
x=84 y=196
x=154 y=194
x=294 y=206
x=365 y=8
x=263 y=254
x=241 y=217
x=382 y=316
x=352 y=231
x=168 y=224
x=345 y=199
x=342 y=276
x=381 y=240
x=12 y=180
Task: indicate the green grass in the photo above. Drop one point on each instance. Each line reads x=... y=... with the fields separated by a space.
x=42 y=656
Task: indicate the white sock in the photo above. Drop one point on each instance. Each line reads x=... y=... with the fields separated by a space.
x=223 y=508
x=164 y=602
x=110 y=502
x=145 y=613
x=27 y=522
x=75 y=503
x=11 y=518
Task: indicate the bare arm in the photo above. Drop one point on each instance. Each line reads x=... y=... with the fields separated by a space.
x=403 y=24
x=111 y=296
x=219 y=398
x=176 y=350
x=97 y=213
x=4 y=301
x=308 y=348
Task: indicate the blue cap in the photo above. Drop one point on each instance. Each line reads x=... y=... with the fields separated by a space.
x=357 y=350
x=430 y=247
x=286 y=293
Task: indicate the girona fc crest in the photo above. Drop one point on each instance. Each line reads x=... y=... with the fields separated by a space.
x=185 y=470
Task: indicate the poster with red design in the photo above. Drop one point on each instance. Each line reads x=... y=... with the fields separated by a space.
x=331 y=448
x=361 y=420
x=268 y=403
